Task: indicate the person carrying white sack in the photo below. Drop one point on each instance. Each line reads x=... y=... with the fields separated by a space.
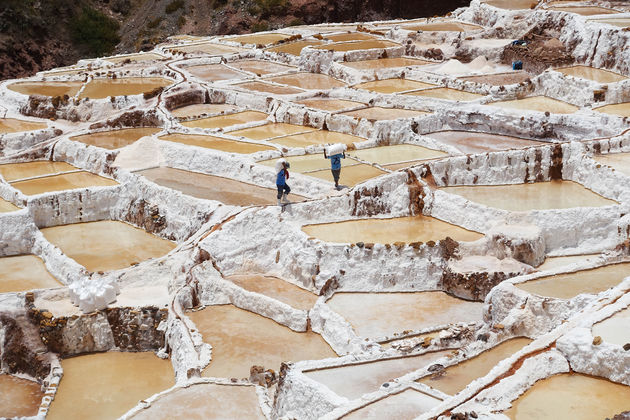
x=335 y=153
x=282 y=174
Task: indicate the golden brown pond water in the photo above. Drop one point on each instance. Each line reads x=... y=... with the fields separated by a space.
x=396 y=153
x=217 y=143
x=471 y=142
x=197 y=110
x=103 y=88
x=269 y=88
x=271 y=130
x=107 y=385
x=499 y=79
x=106 y=245
x=383 y=63
x=375 y=315
x=135 y=57
x=445 y=26
x=261 y=67
x=406 y=405
x=46 y=88
x=294 y=48
x=349 y=36
x=13 y=171
x=313 y=81
x=24 y=272
x=534 y=196
x=622 y=109
x=457 y=377
x=387 y=231
x=585 y=10
x=208 y=48
x=241 y=339
x=303 y=163
x=19 y=397
x=556 y=262
x=276 y=288
x=357 y=45
x=618 y=161
x=210 y=187
x=205 y=401
x=447 y=94
x=512 y=4
x=317 y=137
x=392 y=85
x=6 y=206
x=350 y=175
x=591 y=73
x=330 y=104
x=377 y=113
x=116 y=139
x=11 y=125
x=222 y=121
x=620 y=23
x=352 y=381
x=571 y=397
x=614 y=329
x=214 y=72
x=569 y=285
x=62 y=182
x=257 y=39
x=538 y=103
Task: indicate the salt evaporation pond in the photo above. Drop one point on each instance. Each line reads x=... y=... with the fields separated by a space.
x=354 y=380
x=24 y=272
x=304 y=163
x=214 y=72
x=585 y=10
x=257 y=39
x=383 y=63
x=446 y=26
x=350 y=36
x=62 y=182
x=357 y=45
x=106 y=245
x=591 y=73
x=395 y=154
x=46 y=88
x=241 y=339
x=622 y=109
x=377 y=113
x=569 y=285
x=619 y=22
x=447 y=94
x=271 y=130
x=207 y=48
x=217 y=143
x=388 y=86
x=311 y=81
x=107 y=385
x=269 y=88
x=405 y=405
x=387 y=231
x=326 y=104
x=276 y=288
x=12 y=125
x=455 y=378
x=537 y=103
x=512 y=4
x=294 y=48
x=571 y=396
x=227 y=120
x=499 y=79
x=533 y=196
x=378 y=315
x=471 y=142
x=198 y=110
x=19 y=397
x=261 y=67
x=557 y=262
x=14 y=171
x=209 y=187
x=317 y=137
x=350 y=175
x=205 y=401
x=6 y=206
x=103 y=88
x=614 y=330
x=116 y=139
x=134 y=58
x=618 y=161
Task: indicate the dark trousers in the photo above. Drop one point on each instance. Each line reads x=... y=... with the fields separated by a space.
x=336 y=173
x=283 y=188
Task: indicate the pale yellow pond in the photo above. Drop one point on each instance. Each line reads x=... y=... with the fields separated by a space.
x=614 y=329
x=393 y=85
x=271 y=130
x=294 y=48
x=12 y=125
x=207 y=48
x=622 y=109
x=383 y=63
x=103 y=88
x=13 y=171
x=312 y=81
x=377 y=113
x=512 y=4
x=357 y=45
x=214 y=72
x=447 y=94
x=406 y=405
x=332 y=105
x=445 y=26
x=222 y=121
x=591 y=73
x=538 y=103
x=317 y=137
x=217 y=143
x=276 y=288
x=261 y=67
x=62 y=182
x=117 y=138
x=197 y=110
x=585 y=10
x=350 y=175
x=396 y=153
x=7 y=207
x=269 y=88
x=257 y=39
x=46 y=88
x=24 y=272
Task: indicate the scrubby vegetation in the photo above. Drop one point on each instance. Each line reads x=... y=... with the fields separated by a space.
x=95 y=31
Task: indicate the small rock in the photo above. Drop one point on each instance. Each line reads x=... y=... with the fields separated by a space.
x=597 y=341
x=473 y=415
x=626 y=346
x=435 y=367
x=483 y=337
x=47 y=315
x=385 y=385
x=499 y=326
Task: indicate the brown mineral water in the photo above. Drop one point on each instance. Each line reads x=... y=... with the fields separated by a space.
x=383 y=63
x=222 y=121
x=19 y=397
x=313 y=81
x=591 y=73
x=24 y=272
x=473 y=142
x=217 y=143
x=46 y=88
x=62 y=182
x=103 y=88
x=117 y=138
x=277 y=289
x=14 y=171
x=269 y=88
x=12 y=125
x=261 y=67
x=393 y=85
x=214 y=72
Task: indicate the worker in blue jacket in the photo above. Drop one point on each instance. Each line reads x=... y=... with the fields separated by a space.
x=335 y=154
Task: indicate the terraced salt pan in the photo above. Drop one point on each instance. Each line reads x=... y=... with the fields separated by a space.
x=353 y=381
x=618 y=161
x=620 y=22
x=214 y=72
x=210 y=187
x=455 y=378
x=312 y=81
x=268 y=88
x=46 y=88
x=591 y=73
x=512 y=4
x=276 y=288
x=556 y=262
x=533 y=196
x=349 y=36
x=14 y=171
x=62 y=182
x=332 y=105
x=115 y=384
x=447 y=94
x=24 y=272
x=393 y=85
x=261 y=67
x=357 y=45
x=317 y=137
x=222 y=121
x=304 y=163
x=6 y=207
x=406 y=405
x=106 y=245
x=294 y=48
x=499 y=79
x=569 y=285
x=396 y=153
x=241 y=339
x=614 y=329
x=208 y=48
x=571 y=396
x=271 y=130
x=471 y=142
x=205 y=401
x=117 y=138
x=622 y=109
x=12 y=125
x=375 y=315
x=200 y=109
x=103 y=88
x=383 y=63
x=445 y=26
x=585 y=10
x=538 y=103
x=19 y=397
x=377 y=113
x=135 y=57
x=350 y=175
x=217 y=143
x=257 y=39
x=387 y=231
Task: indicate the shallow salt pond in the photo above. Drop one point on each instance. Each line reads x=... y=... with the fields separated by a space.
x=569 y=285
x=103 y=88
x=350 y=175
x=62 y=182
x=557 y=262
x=205 y=401
x=396 y=153
x=512 y=4
x=317 y=137
x=332 y=105
x=357 y=45
x=257 y=39
x=106 y=245
x=444 y=27
x=294 y=48
x=14 y=171
x=312 y=81
x=614 y=329
x=208 y=187
x=24 y=272
x=349 y=36
x=388 y=86
x=269 y=88
x=261 y=67
x=622 y=109
x=571 y=396
x=377 y=113
x=591 y=73
x=377 y=315
x=107 y=385
x=6 y=206
x=217 y=143
x=406 y=405
x=455 y=378
x=134 y=57
x=271 y=130
x=306 y=163
x=620 y=23
x=46 y=88
x=618 y=161
x=207 y=48
x=197 y=110
x=534 y=196
x=447 y=94
x=499 y=79
x=276 y=288
x=222 y=121
x=241 y=339
x=12 y=125
x=19 y=397
x=537 y=103
x=383 y=63
x=471 y=142
x=585 y=10
x=353 y=381
x=387 y=231
x=214 y=72
x=117 y=138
